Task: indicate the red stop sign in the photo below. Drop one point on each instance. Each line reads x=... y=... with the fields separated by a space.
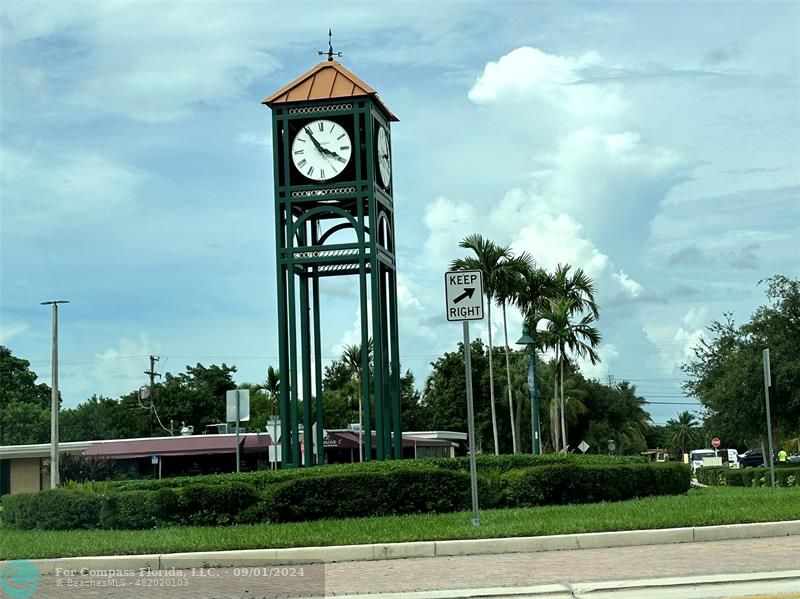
x=714 y=442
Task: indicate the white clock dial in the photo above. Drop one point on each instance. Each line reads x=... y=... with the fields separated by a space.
x=384 y=158
x=321 y=150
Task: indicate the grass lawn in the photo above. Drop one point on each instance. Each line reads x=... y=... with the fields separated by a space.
x=700 y=507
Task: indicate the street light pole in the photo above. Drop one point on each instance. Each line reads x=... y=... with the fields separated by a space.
x=54 y=479
x=536 y=427
x=767 y=384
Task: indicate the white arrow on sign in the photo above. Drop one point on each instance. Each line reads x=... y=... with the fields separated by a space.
x=463 y=295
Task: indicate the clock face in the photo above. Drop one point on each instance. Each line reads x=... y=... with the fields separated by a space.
x=321 y=150
x=384 y=158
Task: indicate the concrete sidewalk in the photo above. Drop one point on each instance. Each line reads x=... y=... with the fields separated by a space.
x=652 y=571
x=384 y=551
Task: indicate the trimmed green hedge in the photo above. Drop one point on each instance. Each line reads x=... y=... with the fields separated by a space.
x=58 y=509
x=785 y=476
x=327 y=493
x=360 y=494
x=575 y=483
x=488 y=462
x=136 y=509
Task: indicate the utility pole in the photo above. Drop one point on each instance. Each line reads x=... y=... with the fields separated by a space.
x=54 y=478
x=152 y=374
x=767 y=385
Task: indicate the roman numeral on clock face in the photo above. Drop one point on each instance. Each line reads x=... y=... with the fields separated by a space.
x=302 y=163
x=310 y=170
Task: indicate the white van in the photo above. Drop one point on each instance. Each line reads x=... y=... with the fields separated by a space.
x=696 y=458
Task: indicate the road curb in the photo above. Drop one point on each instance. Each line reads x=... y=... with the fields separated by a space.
x=687 y=587
x=381 y=551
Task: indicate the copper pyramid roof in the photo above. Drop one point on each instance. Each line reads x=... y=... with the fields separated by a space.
x=327 y=80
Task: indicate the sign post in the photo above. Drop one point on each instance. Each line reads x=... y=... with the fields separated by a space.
x=238 y=410
x=464 y=302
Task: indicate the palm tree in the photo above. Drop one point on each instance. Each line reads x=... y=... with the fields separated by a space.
x=351 y=356
x=509 y=281
x=564 y=335
x=535 y=291
x=682 y=432
x=579 y=288
x=491 y=259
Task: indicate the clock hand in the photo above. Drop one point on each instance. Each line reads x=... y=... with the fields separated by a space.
x=322 y=150
x=314 y=139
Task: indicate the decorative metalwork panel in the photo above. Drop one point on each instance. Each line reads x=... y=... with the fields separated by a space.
x=325 y=254
x=316 y=109
x=312 y=193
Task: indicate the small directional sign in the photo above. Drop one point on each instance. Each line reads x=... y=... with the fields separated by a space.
x=464 y=295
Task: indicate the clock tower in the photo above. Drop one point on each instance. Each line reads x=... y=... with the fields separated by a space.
x=334 y=217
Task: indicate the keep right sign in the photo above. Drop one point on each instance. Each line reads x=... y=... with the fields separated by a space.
x=463 y=295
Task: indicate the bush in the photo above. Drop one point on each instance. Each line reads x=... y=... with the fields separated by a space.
x=346 y=491
x=362 y=494
x=131 y=509
x=785 y=476
x=712 y=475
x=576 y=483
x=263 y=479
x=58 y=509
x=63 y=509
x=202 y=504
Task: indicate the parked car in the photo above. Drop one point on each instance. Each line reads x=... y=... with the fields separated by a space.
x=794 y=459
x=752 y=458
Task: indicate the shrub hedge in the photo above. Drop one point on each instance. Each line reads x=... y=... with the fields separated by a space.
x=359 y=494
x=489 y=462
x=342 y=493
x=785 y=476
x=58 y=509
x=575 y=483
x=135 y=509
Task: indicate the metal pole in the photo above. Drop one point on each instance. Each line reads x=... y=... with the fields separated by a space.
x=473 y=470
x=536 y=440
x=54 y=477
x=237 y=431
x=767 y=383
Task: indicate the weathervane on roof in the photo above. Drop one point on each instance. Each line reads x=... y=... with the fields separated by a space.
x=330 y=51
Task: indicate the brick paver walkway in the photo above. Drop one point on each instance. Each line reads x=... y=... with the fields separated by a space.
x=421 y=574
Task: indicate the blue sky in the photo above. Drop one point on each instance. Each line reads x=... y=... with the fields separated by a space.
x=654 y=144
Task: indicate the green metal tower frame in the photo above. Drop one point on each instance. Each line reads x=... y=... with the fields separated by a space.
x=307 y=215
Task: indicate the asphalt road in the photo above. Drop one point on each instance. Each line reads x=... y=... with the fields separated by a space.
x=441 y=573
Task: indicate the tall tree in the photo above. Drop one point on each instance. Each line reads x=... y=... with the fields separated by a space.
x=264 y=400
x=726 y=374
x=576 y=287
x=682 y=432
x=492 y=260
x=24 y=403
x=535 y=292
x=443 y=403
x=566 y=336
x=508 y=282
x=352 y=357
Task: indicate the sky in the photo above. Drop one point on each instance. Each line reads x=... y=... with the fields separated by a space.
x=653 y=144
